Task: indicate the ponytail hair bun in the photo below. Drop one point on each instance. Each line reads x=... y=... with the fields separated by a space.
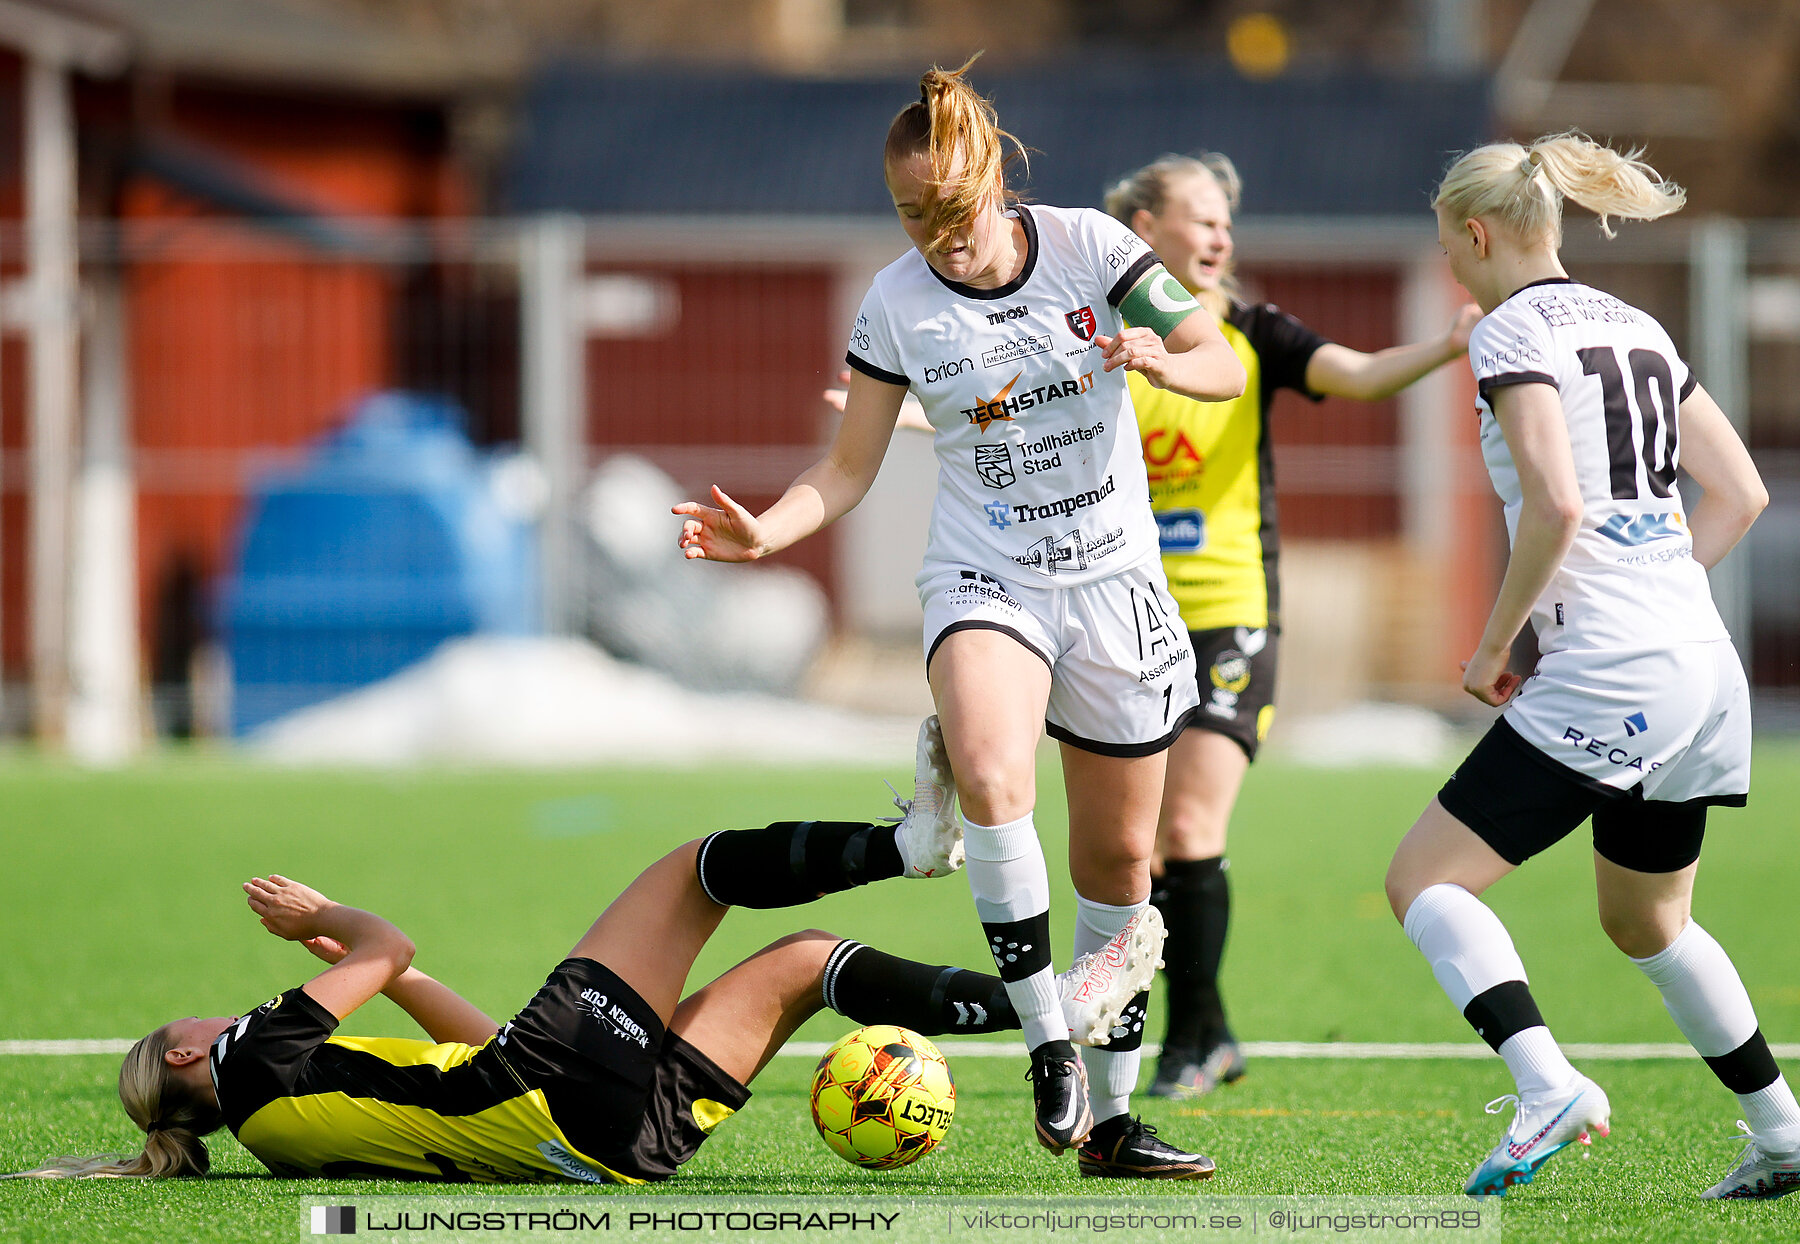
x=952 y=120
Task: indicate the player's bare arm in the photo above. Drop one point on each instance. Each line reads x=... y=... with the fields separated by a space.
x=1339 y=371
x=1531 y=417
x=376 y=952
x=444 y=1014
x=1713 y=454
x=912 y=413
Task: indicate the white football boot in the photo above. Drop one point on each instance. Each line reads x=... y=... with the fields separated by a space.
x=930 y=834
x=1757 y=1174
x=1098 y=988
x=1540 y=1127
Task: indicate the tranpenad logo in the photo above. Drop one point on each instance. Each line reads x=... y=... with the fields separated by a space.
x=1082 y=322
x=1635 y=724
x=334 y=1220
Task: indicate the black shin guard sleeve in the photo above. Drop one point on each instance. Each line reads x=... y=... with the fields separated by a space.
x=794 y=862
x=1021 y=948
x=873 y=987
x=1748 y=1069
x=1502 y=1012
x=1128 y=1033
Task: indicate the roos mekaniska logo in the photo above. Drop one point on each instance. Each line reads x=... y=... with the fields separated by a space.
x=334 y=1220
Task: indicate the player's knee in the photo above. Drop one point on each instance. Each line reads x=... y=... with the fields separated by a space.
x=993 y=794
x=1639 y=934
x=1193 y=830
x=1401 y=887
x=808 y=950
x=1110 y=873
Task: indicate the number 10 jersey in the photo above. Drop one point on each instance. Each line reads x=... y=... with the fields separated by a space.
x=1630 y=580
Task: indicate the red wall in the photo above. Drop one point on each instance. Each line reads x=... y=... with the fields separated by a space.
x=1359 y=309
x=743 y=365
x=267 y=344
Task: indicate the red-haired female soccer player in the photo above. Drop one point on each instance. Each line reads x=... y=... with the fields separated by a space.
x=1043 y=594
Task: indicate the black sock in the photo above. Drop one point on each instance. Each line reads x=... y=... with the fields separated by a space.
x=1195 y=901
x=794 y=862
x=872 y=987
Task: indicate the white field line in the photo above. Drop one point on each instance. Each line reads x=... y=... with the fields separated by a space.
x=1015 y=1049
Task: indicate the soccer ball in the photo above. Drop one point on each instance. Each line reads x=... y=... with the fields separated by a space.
x=883 y=1097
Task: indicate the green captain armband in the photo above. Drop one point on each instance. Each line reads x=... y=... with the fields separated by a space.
x=1158 y=302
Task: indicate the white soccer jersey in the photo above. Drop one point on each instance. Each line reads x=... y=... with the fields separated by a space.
x=1630 y=579
x=1040 y=474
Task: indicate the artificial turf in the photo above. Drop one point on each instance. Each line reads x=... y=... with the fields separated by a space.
x=119 y=910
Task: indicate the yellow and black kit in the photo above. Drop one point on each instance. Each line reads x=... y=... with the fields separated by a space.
x=583 y=1084
x=1212 y=475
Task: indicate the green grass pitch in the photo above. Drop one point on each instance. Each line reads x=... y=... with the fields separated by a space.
x=119 y=909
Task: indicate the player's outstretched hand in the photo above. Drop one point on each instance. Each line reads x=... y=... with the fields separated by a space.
x=288 y=909
x=835 y=398
x=1467 y=317
x=728 y=533
x=1136 y=349
x=1486 y=677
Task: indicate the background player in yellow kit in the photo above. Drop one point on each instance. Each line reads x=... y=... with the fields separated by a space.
x=1212 y=487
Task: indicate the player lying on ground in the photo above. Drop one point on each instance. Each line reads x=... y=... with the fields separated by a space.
x=608 y=1074
x=1638 y=713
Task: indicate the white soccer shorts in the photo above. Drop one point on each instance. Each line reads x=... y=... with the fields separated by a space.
x=1676 y=719
x=1121 y=664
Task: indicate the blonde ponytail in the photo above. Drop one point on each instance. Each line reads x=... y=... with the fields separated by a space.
x=172 y=1121
x=951 y=117
x=1524 y=187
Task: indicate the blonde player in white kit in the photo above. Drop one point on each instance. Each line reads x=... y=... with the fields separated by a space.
x=1042 y=589
x=1638 y=714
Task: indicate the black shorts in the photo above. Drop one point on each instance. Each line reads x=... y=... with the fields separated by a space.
x=1520 y=802
x=1235 y=669
x=625 y=1092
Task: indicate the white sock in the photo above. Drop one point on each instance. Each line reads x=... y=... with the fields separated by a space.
x=1007 y=876
x=1470 y=952
x=1112 y=1073
x=1707 y=1000
x=1774 y=1117
x=1536 y=1062
x=1702 y=992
